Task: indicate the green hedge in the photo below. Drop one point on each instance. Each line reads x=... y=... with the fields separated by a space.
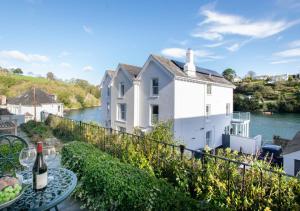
x=12 y=151
x=105 y=183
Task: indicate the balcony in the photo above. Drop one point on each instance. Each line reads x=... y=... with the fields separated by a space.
x=240 y=117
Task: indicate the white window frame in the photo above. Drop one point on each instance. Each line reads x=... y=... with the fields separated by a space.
x=119 y=114
x=228 y=109
x=208 y=139
x=207 y=110
x=209 y=90
x=121 y=95
x=151 y=114
x=152 y=87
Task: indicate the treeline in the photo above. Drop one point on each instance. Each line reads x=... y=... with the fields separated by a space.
x=74 y=93
x=283 y=97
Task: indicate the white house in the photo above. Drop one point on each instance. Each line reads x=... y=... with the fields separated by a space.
x=33 y=102
x=106 y=97
x=291 y=156
x=198 y=101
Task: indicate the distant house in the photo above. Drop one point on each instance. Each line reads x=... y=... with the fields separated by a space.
x=33 y=102
x=291 y=156
x=283 y=77
x=237 y=79
x=261 y=77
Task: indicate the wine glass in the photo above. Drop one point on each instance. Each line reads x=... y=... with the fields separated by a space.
x=27 y=158
x=50 y=157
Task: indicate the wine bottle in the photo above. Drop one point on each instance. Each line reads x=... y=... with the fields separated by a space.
x=39 y=170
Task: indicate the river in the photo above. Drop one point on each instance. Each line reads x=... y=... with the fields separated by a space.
x=284 y=125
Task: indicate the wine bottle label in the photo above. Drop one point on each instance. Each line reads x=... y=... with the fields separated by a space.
x=41 y=180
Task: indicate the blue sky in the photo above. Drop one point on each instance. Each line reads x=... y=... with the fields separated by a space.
x=81 y=39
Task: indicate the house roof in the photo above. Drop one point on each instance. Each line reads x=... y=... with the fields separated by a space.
x=131 y=69
x=177 y=68
x=293 y=145
x=4 y=111
x=111 y=73
x=27 y=98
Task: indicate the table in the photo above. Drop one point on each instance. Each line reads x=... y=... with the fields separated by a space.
x=58 y=189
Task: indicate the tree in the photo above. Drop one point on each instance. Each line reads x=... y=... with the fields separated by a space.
x=251 y=74
x=17 y=71
x=50 y=76
x=229 y=74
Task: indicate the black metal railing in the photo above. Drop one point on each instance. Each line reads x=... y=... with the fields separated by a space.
x=161 y=154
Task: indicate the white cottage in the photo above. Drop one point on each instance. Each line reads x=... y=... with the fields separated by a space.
x=198 y=101
x=33 y=102
x=291 y=156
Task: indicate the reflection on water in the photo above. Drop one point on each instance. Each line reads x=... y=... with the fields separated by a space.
x=284 y=125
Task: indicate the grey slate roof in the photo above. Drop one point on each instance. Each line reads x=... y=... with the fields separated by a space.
x=131 y=69
x=293 y=145
x=27 y=98
x=4 y=111
x=176 y=68
x=111 y=73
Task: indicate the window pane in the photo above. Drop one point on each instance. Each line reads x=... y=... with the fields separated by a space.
x=154 y=114
x=155 y=82
x=155 y=90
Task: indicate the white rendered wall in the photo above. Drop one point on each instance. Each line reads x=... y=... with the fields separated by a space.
x=247 y=145
x=128 y=99
x=191 y=124
x=105 y=113
x=49 y=108
x=289 y=162
x=165 y=100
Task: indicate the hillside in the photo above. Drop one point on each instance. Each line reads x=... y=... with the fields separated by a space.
x=74 y=94
x=259 y=95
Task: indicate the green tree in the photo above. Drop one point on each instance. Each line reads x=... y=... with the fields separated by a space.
x=251 y=74
x=50 y=76
x=229 y=74
x=17 y=71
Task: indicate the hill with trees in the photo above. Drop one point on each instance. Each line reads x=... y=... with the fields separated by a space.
x=260 y=95
x=75 y=93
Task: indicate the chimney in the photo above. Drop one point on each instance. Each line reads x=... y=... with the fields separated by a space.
x=189 y=66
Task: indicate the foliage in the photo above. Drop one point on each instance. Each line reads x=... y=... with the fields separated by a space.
x=17 y=71
x=13 y=151
x=37 y=131
x=50 y=76
x=108 y=184
x=229 y=74
x=205 y=179
x=278 y=97
x=13 y=85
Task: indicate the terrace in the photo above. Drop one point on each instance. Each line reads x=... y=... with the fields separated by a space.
x=183 y=178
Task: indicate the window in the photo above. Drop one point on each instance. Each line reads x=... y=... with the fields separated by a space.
x=154 y=87
x=154 y=114
x=108 y=91
x=122 y=112
x=58 y=108
x=208 y=138
x=227 y=109
x=121 y=90
x=208 y=89
x=108 y=107
x=122 y=129
x=208 y=110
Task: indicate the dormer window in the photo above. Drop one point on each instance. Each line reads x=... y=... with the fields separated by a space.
x=121 y=89
x=154 y=87
x=108 y=91
x=208 y=89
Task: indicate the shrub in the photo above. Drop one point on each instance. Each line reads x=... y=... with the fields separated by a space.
x=108 y=184
x=37 y=131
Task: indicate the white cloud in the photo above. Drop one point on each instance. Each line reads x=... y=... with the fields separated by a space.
x=64 y=54
x=295 y=52
x=65 y=65
x=20 y=56
x=87 y=29
x=294 y=44
x=216 y=25
x=283 y=61
x=234 y=47
x=214 y=45
x=181 y=53
x=87 y=68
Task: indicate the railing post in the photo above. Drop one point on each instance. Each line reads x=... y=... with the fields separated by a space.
x=182 y=147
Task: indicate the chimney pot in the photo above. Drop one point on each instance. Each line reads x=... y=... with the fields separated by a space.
x=189 y=66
